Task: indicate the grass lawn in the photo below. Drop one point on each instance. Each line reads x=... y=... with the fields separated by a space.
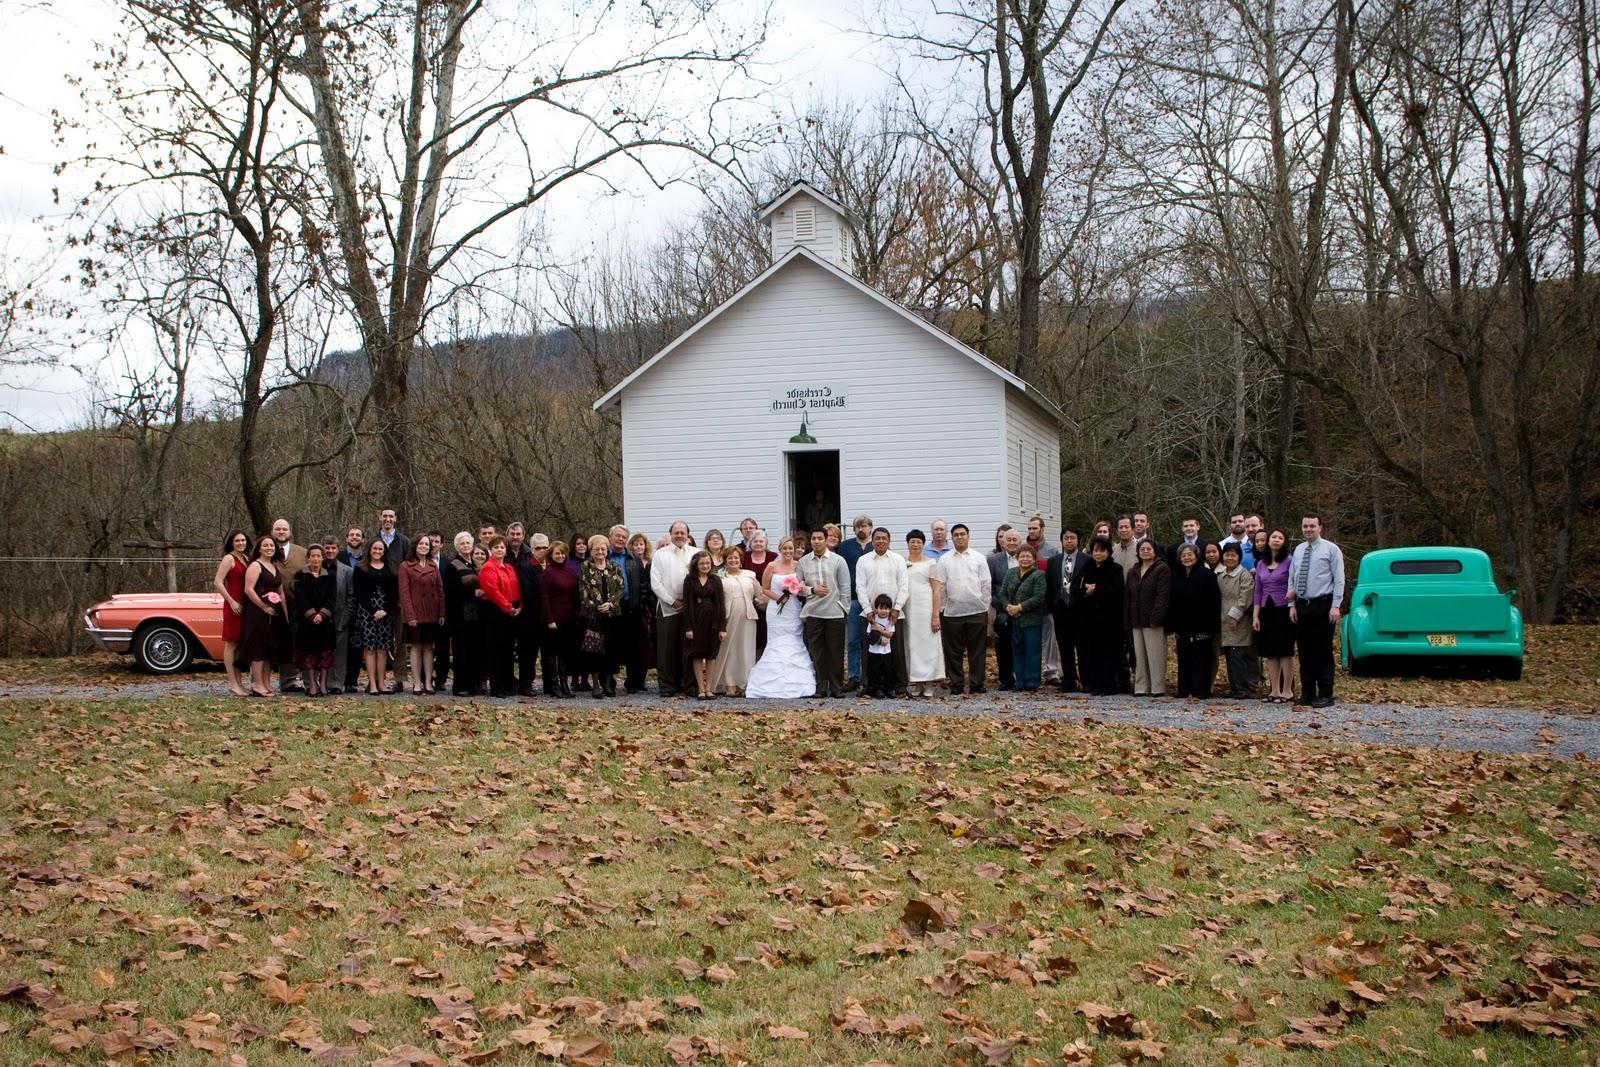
x=378 y=881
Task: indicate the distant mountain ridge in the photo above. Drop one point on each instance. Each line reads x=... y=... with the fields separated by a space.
x=556 y=351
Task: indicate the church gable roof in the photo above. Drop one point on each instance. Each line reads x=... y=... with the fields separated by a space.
x=614 y=394
x=794 y=190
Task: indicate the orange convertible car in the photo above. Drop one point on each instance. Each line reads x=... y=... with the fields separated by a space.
x=164 y=631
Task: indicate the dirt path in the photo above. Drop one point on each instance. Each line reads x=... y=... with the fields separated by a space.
x=1464 y=728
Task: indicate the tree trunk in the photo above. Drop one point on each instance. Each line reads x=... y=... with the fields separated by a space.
x=255 y=494
x=389 y=387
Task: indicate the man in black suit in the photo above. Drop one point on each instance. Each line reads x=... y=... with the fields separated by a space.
x=530 y=624
x=342 y=576
x=441 y=644
x=396 y=545
x=1191 y=536
x=396 y=550
x=355 y=546
x=1059 y=572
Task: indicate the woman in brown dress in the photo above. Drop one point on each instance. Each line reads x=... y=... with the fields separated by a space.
x=703 y=621
x=261 y=644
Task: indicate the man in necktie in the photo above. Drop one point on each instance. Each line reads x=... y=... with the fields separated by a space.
x=1316 y=595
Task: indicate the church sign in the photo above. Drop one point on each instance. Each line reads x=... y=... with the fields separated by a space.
x=798 y=399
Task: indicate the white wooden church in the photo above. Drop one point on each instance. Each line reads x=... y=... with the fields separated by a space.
x=810 y=390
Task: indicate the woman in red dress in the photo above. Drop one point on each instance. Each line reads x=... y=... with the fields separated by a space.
x=229 y=584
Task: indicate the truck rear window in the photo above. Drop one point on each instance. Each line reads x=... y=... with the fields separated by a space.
x=1425 y=566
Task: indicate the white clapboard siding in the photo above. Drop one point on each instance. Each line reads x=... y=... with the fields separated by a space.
x=1033 y=466
x=921 y=439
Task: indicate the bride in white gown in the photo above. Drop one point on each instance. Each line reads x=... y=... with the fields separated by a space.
x=784 y=669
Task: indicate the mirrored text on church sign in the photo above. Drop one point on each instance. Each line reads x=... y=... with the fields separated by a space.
x=796 y=399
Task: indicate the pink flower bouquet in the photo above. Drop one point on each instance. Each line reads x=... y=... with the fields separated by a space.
x=791 y=586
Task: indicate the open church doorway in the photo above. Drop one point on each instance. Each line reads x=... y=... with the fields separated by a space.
x=813 y=490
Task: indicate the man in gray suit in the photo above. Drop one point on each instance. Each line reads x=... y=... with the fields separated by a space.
x=341 y=612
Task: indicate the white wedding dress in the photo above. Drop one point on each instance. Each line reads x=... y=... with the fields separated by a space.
x=924 y=653
x=784 y=669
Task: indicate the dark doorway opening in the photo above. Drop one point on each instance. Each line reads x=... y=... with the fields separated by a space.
x=809 y=474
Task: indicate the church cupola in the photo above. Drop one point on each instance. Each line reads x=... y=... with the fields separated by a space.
x=802 y=215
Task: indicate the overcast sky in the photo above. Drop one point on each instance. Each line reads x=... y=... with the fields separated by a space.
x=810 y=53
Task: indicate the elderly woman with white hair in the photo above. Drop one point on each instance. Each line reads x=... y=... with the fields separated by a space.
x=599 y=606
x=756 y=560
x=461 y=617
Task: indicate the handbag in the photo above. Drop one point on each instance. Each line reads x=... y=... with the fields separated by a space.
x=594 y=641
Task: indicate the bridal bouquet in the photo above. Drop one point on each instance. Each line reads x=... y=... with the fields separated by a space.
x=791 y=586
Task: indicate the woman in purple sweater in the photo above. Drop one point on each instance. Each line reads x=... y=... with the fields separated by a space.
x=558 y=595
x=1271 y=619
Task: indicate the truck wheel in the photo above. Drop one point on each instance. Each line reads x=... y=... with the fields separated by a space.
x=1508 y=668
x=163 y=647
x=1361 y=666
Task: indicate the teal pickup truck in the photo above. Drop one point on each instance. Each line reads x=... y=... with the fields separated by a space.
x=1434 y=603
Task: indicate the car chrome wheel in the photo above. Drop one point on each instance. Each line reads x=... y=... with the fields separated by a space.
x=162 y=648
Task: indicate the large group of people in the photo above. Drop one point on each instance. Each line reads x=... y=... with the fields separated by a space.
x=818 y=614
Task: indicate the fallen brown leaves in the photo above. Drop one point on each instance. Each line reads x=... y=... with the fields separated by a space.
x=452 y=886
x=1561 y=671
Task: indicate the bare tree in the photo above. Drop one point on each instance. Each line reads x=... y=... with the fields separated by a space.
x=1236 y=143
x=415 y=113
x=1030 y=58
x=1480 y=148
x=211 y=171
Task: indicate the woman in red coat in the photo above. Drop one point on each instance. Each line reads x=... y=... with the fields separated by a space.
x=499 y=601
x=422 y=611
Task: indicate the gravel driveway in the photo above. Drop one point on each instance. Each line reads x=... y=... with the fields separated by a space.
x=1468 y=729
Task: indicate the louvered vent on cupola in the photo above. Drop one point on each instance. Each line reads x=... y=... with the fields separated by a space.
x=803 y=216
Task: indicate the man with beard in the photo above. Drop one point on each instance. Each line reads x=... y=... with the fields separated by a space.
x=291 y=559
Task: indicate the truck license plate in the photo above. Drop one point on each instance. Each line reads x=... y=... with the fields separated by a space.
x=1442 y=640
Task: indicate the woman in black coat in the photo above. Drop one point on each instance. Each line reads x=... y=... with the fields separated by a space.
x=315 y=601
x=461 y=615
x=1195 y=617
x=1098 y=591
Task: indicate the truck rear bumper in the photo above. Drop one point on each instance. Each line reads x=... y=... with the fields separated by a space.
x=1467 y=647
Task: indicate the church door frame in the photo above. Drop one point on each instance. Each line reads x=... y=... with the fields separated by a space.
x=802 y=461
